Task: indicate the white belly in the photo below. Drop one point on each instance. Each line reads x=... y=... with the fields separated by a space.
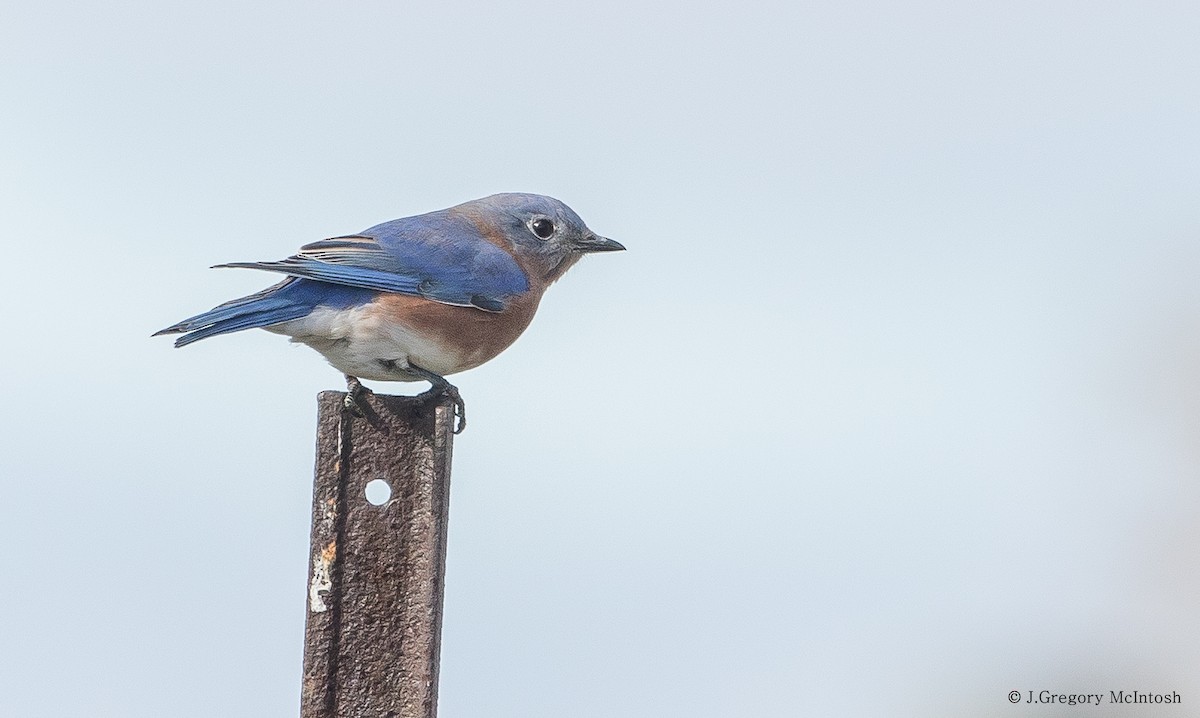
x=357 y=342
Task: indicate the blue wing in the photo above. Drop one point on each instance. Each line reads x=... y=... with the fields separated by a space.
x=438 y=256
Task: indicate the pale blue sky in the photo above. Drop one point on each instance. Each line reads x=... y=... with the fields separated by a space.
x=891 y=407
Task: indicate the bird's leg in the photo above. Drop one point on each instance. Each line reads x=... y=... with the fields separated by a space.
x=355 y=392
x=441 y=387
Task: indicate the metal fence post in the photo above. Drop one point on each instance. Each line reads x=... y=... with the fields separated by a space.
x=377 y=572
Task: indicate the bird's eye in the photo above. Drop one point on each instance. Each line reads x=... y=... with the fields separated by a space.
x=542 y=227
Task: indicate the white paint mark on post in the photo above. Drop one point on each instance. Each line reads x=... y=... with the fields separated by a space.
x=322 y=578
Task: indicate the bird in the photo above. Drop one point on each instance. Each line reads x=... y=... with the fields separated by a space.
x=417 y=298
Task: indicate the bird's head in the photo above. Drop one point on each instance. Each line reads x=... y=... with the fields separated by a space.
x=545 y=235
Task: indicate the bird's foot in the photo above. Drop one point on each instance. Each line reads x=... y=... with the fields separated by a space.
x=460 y=407
x=440 y=387
x=356 y=395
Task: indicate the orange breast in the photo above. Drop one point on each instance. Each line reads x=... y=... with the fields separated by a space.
x=473 y=334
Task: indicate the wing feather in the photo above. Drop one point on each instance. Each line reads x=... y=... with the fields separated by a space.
x=427 y=256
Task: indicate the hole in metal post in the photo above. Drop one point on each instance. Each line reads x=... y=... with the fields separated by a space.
x=378 y=492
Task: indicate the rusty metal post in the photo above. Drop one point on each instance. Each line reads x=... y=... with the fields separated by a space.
x=374 y=621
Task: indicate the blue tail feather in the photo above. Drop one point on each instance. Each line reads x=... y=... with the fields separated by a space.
x=292 y=298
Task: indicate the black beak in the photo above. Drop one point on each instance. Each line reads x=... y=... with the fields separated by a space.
x=596 y=243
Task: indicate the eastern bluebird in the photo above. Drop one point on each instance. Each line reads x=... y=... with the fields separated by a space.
x=416 y=298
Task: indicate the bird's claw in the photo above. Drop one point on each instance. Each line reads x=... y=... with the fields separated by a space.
x=460 y=408
x=450 y=391
x=356 y=393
